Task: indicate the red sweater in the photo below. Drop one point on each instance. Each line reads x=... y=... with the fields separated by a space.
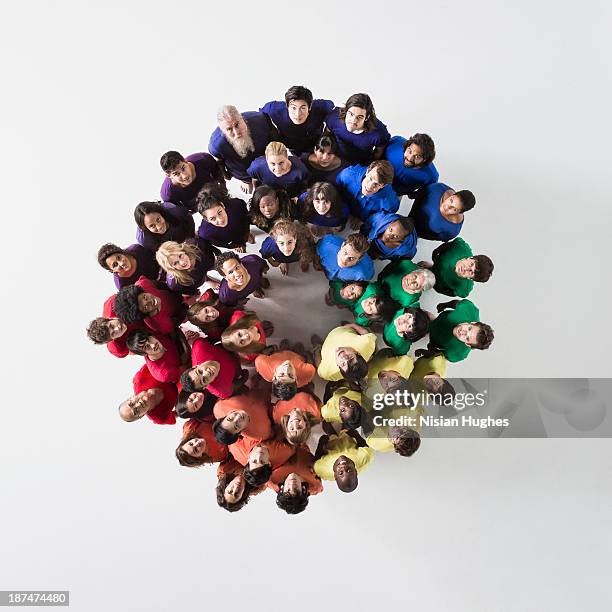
x=163 y=413
x=217 y=327
x=203 y=429
x=162 y=322
x=238 y=314
x=118 y=346
x=202 y=350
x=168 y=367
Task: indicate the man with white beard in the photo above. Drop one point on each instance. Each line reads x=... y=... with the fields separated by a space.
x=239 y=139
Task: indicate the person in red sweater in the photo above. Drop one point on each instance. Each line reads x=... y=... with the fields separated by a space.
x=199 y=446
x=151 y=397
x=159 y=309
x=297 y=416
x=246 y=335
x=160 y=353
x=243 y=415
x=214 y=369
x=260 y=457
x=295 y=481
x=286 y=370
x=210 y=315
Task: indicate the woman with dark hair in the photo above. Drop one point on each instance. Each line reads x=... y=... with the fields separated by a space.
x=159 y=222
x=324 y=209
x=268 y=205
x=161 y=355
x=374 y=306
x=438 y=211
x=210 y=315
x=198 y=445
x=129 y=264
x=225 y=220
x=391 y=236
x=361 y=137
x=343 y=406
x=260 y=458
x=289 y=242
x=345 y=294
x=233 y=491
x=324 y=164
x=407 y=326
x=195 y=405
x=245 y=335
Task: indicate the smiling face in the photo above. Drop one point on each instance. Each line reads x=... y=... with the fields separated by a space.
x=155 y=223
x=450 y=206
x=279 y=165
x=466 y=268
x=370 y=183
x=346 y=408
x=208 y=314
x=466 y=333
x=348 y=256
x=351 y=292
x=355 y=119
x=153 y=348
x=216 y=215
x=138 y=405
x=116 y=328
x=298 y=111
x=148 y=304
x=413 y=282
x=286 y=243
x=244 y=337
x=194 y=402
x=413 y=156
x=325 y=158
x=296 y=423
x=180 y=261
x=196 y=447
x=321 y=204
x=345 y=356
x=284 y=373
x=235 y=489
x=182 y=175
x=204 y=373
x=235 y=273
x=344 y=469
x=395 y=233
x=269 y=206
x=259 y=456
x=121 y=264
x=404 y=323
x=236 y=421
x=370 y=305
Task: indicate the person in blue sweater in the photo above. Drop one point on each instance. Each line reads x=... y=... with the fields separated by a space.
x=438 y=211
x=361 y=136
x=299 y=119
x=368 y=189
x=345 y=259
x=412 y=162
x=392 y=236
x=279 y=170
x=238 y=140
x=324 y=209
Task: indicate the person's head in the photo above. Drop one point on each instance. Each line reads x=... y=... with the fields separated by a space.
x=139 y=404
x=351 y=292
x=378 y=174
x=284 y=381
x=475 y=334
x=438 y=386
x=152 y=218
x=378 y=308
x=192 y=405
x=269 y=203
x=227 y=429
x=478 y=268
x=293 y=494
x=345 y=474
x=350 y=412
x=354 y=247
x=419 y=150
x=200 y=376
x=117 y=260
x=323 y=198
x=418 y=281
x=103 y=330
x=285 y=233
x=134 y=304
x=243 y=336
x=297 y=425
x=144 y=343
x=205 y=311
x=326 y=151
x=258 y=469
x=351 y=364
x=180 y=172
x=178 y=260
x=277 y=158
x=233 y=492
x=391 y=380
x=412 y=324
x=358 y=113
x=298 y=100
x=397 y=231
x=458 y=202
x=405 y=441
x=229 y=266
x=192 y=451
x=235 y=129
x=212 y=208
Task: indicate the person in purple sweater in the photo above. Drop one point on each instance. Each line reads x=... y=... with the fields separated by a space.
x=323 y=163
x=324 y=209
x=280 y=170
x=159 y=222
x=299 y=119
x=241 y=277
x=129 y=264
x=238 y=140
x=185 y=176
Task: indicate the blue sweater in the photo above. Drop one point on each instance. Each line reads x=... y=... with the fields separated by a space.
x=293 y=182
x=327 y=249
x=269 y=249
x=407 y=180
x=374 y=227
x=428 y=221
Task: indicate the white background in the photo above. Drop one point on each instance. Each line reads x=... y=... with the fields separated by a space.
x=516 y=96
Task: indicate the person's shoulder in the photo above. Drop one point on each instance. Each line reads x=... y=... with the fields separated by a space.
x=333 y=117
x=298 y=163
x=396 y=140
x=216 y=141
x=322 y=105
x=274 y=107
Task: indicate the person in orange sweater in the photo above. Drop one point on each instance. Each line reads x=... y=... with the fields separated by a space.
x=233 y=491
x=243 y=415
x=295 y=481
x=260 y=458
x=199 y=446
x=286 y=370
x=297 y=416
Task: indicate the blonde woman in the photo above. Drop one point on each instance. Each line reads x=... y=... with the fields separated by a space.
x=185 y=264
x=278 y=169
x=289 y=241
x=297 y=416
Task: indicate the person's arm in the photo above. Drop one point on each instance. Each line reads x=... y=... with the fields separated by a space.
x=447 y=305
x=224 y=171
x=440 y=250
x=328 y=428
x=321 y=447
x=430 y=351
x=355 y=435
x=330 y=389
x=358 y=328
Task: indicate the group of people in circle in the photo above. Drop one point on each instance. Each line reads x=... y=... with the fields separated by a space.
x=324 y=185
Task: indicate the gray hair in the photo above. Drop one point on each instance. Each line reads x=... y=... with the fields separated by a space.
x=430 y=279
x=227 y=111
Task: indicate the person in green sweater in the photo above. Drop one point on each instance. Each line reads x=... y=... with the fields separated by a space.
x=344 y=294
x=456 y=268
x=374 y=306
x=407 y=326
x=404 y=281
x=456 y=331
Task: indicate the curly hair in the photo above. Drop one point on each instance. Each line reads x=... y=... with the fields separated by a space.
x=126 y=304
x=485 y=336
x=284 y=391
x=222 y=258
x=169 y=248
x=98 y=331
x=358 y=241
x=426 y=144
x=407 y=442
x=304 y=242
x=187 y=460
x=293 y=504
x=285 y=208
x=106 y=250
x=361 y=100
x=483 y=268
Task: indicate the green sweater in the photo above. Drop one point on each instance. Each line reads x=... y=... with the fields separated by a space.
x=336 y=298
x=441 y=330
x=447 y=280
x=398 y=344
x=372 y=290
x=391 y=279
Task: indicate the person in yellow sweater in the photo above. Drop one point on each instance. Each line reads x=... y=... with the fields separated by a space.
x=341 y=458
x=342 y=405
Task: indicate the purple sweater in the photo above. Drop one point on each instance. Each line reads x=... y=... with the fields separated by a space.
x=234 y=233
x=146 y=265
x=255 y=266
x=181 y=227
